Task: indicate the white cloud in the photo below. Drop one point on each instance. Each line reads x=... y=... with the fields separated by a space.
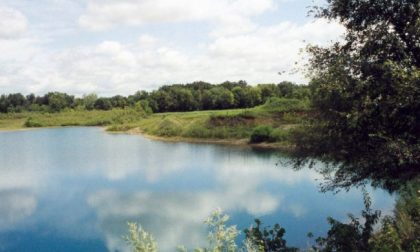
x=104 y=14
x=235 y=47
x=13 y=23
x=113 y=67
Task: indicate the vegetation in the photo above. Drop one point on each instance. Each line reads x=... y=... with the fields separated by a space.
x=139 y=240
x=279 y=114
x=364 y=124
x=226 y=111
x=261 y=134
x=267 y=239
x=352 y=236
x=75 y=118
x=366 y=120
x=170 y=98
x=399 y=232
x=234 y=124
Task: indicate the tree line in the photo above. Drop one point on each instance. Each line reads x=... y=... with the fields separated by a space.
x=169 y=98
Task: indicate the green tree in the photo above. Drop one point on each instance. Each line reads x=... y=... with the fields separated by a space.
x=162 y=101
x=221 y=98
x=239 y=97
x=366 y=90
x=118 y=101
x=267 y=91
x=103 y=104
x=58 y=101
x=253 y=96
x=183 y=100
x=89 y=101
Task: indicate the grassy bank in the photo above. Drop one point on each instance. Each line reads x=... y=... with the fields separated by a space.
x=277 y=117
x=15 y=121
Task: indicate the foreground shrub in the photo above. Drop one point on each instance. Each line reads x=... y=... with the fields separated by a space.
x=396 y=234
x=140 y=240
x=220 y=238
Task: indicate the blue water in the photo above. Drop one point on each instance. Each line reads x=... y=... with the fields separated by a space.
x=74 y=189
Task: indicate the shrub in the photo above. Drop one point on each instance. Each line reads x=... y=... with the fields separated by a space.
x=31 y=123
x=168 y=128
x=140 y=240
x=261 y=134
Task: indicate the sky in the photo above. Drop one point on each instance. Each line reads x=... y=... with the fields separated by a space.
x=113 y=47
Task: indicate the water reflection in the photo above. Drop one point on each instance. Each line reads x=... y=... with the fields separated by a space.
x=80 y=186
x=15 y=207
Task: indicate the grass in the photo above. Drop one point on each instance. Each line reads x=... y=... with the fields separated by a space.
x=279 y=114
x=12 y=121
x=69 y=118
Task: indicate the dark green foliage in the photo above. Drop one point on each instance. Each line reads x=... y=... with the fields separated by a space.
x=288 y=89
x=103 y=104
x=58 y=101
x=261 y=134
x=268 y=240
x=268 y=90
x=353 y=236
x=398 y=233
x=169 y=98
x=365 y=95
x=118 y=101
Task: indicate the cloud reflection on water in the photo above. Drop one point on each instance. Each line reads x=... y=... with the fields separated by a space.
x=176 y=217
x=83 y=185
x=15 y=206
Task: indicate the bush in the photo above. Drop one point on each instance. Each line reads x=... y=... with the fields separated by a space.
x=261 y=134
x=169 y=128
x=31 y=123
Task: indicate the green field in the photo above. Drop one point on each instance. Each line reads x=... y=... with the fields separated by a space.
x=280 y=115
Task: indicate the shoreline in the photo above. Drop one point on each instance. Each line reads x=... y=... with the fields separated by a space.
x=228 y=142
x=242 y=143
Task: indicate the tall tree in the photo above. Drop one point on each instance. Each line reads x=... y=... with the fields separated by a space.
x=366 y=94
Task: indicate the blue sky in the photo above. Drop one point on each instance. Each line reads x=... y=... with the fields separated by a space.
x=120 y=46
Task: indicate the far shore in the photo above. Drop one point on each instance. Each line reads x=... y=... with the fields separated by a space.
x=244 y=143
x=137 y=131
x=232 y=142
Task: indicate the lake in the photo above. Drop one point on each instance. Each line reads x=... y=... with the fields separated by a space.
x=74 y=189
